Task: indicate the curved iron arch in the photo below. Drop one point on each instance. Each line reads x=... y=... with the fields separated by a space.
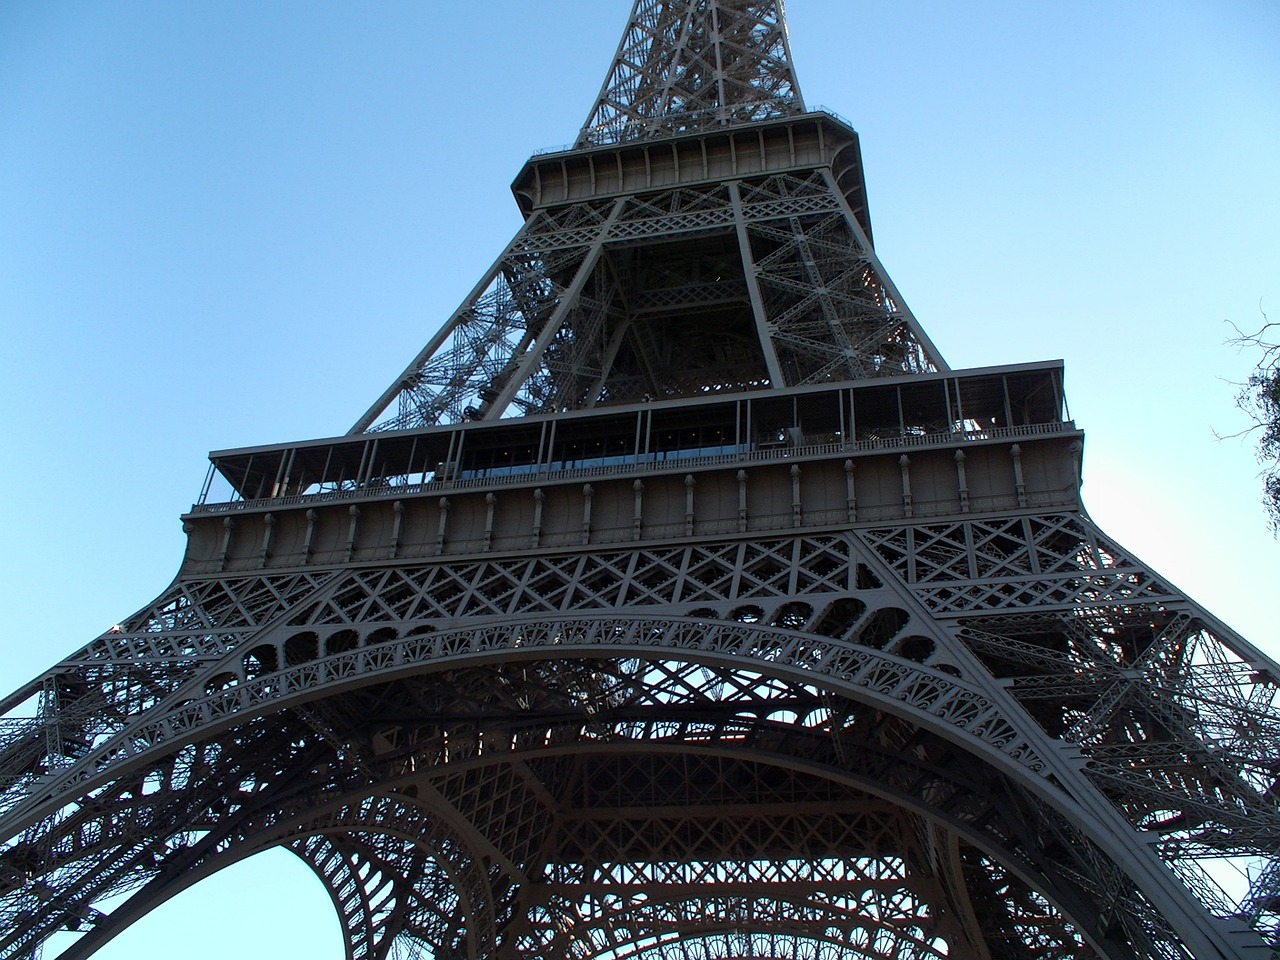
x=767 y=651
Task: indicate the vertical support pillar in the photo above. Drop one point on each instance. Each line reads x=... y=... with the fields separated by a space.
x=491 y=502
x=904 y=464
x=538 y=498
x=268 y=528
x=308 y=543
x=962 y=482
x=1019 y=484
x=796 y=512
x=444 y=524
x=637 y=518
x=398 y=509
x=751 y=274
x=850 y=491
x=228 y=525
x=689 y=483
x=352 y=529
x=588 y=494
x=742 y=501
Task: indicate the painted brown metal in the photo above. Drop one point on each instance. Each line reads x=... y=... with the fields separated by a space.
x=677 y=602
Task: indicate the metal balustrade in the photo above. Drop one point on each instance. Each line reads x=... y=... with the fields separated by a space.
x=645 y=464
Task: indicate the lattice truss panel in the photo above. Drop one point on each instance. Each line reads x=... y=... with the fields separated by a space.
x=536 y=801
x=678 y=293
x=93 y=695
x=828 y=874
x=828 y=308
x=402 y=877
x=90 y=698
x=513 y=303
x=1178 y=718
x=695 y=65
x=601 y=848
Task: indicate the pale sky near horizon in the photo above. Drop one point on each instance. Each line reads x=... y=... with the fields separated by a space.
x=226 y=222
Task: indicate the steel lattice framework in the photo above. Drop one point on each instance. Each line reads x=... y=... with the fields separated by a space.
x=678 y=602
x=689 y=67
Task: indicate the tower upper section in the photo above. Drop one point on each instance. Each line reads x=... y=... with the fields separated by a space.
x=705 y=235
x=687 y=66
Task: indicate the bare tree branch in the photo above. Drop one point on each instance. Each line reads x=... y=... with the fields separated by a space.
x=1259 y=398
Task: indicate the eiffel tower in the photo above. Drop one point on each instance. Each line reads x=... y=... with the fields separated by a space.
x=677 y=601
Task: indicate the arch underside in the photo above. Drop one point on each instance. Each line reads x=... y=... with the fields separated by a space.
x=772 y=752
x=497 y=811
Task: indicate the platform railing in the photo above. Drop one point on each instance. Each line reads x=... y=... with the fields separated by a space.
x=647 y=464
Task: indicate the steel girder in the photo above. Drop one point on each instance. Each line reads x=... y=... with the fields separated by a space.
x=657 y=737
x=987 y=733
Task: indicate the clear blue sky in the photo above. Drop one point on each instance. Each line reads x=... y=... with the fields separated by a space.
x=226 y=222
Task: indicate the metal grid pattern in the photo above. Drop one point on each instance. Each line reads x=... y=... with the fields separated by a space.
x=799 y=647
x=688 y=66
x=990 y=735
x=716 y=288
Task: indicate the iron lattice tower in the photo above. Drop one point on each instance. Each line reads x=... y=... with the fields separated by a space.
x=678 y=601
